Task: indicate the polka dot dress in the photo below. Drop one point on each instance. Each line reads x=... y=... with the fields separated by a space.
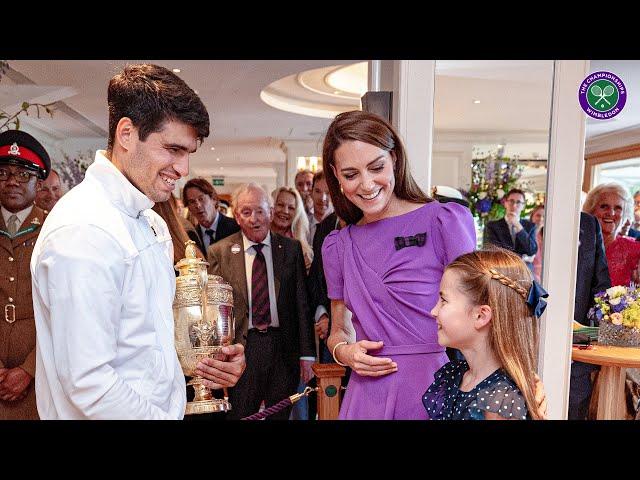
x=497 y=394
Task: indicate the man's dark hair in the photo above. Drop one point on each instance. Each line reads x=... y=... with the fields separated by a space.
x=515 y=190
x=150 y=95
x=202 y=185
x=319 y=175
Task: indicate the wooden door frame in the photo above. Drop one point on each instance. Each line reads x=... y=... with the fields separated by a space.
x=606 y=156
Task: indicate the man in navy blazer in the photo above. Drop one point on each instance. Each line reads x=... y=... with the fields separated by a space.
x=512 y=232
x=199 y=196
x=592 y=276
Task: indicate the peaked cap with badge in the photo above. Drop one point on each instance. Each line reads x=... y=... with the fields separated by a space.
x=21 y=149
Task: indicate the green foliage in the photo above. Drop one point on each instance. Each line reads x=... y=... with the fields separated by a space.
x=11 y=121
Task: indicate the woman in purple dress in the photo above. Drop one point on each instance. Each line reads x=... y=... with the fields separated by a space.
x=383 y=270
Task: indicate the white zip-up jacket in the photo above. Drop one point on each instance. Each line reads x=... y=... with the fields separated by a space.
x=103 y=288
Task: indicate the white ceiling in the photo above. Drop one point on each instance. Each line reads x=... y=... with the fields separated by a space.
x=514 y=98
x=242 y=126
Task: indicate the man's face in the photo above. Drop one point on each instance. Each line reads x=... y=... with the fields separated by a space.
x=14 y=195
x=254 y=215
x=155 y=165
x=514 y=203
x=304 y=181
x=321 y=199
x=201 y=205
x=49 y=192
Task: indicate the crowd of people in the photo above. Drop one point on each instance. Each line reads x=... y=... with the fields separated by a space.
x=354 y=265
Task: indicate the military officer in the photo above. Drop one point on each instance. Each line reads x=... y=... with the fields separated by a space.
x=23 y=162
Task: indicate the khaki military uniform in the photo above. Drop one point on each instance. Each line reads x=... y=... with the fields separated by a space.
x=17 y=325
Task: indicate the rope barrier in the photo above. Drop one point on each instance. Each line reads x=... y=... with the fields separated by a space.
x=281 y=405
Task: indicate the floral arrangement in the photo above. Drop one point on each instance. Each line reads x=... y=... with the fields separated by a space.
x=617 y=309
x=618 y=305
x=72 y=170
x=491 y=178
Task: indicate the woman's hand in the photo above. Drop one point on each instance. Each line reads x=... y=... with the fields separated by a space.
x=355 y=356
x=322 y=327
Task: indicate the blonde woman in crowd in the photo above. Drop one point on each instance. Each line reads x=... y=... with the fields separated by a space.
x=290 y=219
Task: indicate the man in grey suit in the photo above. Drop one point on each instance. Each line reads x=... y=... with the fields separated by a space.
x=267 y=273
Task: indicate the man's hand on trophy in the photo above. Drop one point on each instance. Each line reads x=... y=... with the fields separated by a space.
x=224 y=370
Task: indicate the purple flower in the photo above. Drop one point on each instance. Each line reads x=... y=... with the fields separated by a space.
x=619 y=307
x=484 y=205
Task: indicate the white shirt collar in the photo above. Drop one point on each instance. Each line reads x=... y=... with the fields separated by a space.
x=117 y=187
x=248 y=243
x=22 y=214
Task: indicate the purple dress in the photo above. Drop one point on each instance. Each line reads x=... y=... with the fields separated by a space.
x=390 y=293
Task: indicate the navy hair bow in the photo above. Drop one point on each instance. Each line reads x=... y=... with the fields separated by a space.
x=417 y=240
x=535 y=299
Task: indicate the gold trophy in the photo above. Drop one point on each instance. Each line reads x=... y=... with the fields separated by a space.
x=203 y=317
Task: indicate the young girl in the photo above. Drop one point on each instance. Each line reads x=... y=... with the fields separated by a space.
x=483 y=311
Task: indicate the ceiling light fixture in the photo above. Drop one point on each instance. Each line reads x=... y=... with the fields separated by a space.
x=213 y=148
x=176 y=70
x=476 y=101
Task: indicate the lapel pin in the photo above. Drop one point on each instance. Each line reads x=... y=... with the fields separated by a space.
x=235 y=248
x=35 y=221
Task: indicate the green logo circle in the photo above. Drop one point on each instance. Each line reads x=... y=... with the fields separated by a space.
x=331 y=391
x=602 y=95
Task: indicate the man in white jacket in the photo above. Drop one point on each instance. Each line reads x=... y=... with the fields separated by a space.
x=103 y=279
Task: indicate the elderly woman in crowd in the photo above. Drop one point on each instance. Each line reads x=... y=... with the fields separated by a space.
x=290 y=219
x=611 y=205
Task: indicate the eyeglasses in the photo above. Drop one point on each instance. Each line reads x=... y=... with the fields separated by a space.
x=22 y=176
x=515 y=202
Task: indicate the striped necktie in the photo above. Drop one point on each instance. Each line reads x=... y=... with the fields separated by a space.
x=260 y=305
x=12 y=225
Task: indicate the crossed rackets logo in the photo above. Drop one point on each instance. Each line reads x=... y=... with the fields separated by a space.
x=602 y=95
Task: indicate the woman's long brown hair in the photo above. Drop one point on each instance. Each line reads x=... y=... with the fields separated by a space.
x=374 y=130
x=169 y=213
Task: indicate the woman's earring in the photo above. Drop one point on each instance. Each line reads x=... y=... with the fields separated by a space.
x=341 y=190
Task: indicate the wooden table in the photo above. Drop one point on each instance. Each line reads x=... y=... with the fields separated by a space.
x=614 y=362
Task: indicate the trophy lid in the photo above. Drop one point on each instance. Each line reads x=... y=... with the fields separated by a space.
x=190 y=262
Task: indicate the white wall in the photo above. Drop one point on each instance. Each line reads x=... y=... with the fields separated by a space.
x=452 y=154
x=298 y=148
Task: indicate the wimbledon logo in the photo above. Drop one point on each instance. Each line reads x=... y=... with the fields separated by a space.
x=602 y=95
